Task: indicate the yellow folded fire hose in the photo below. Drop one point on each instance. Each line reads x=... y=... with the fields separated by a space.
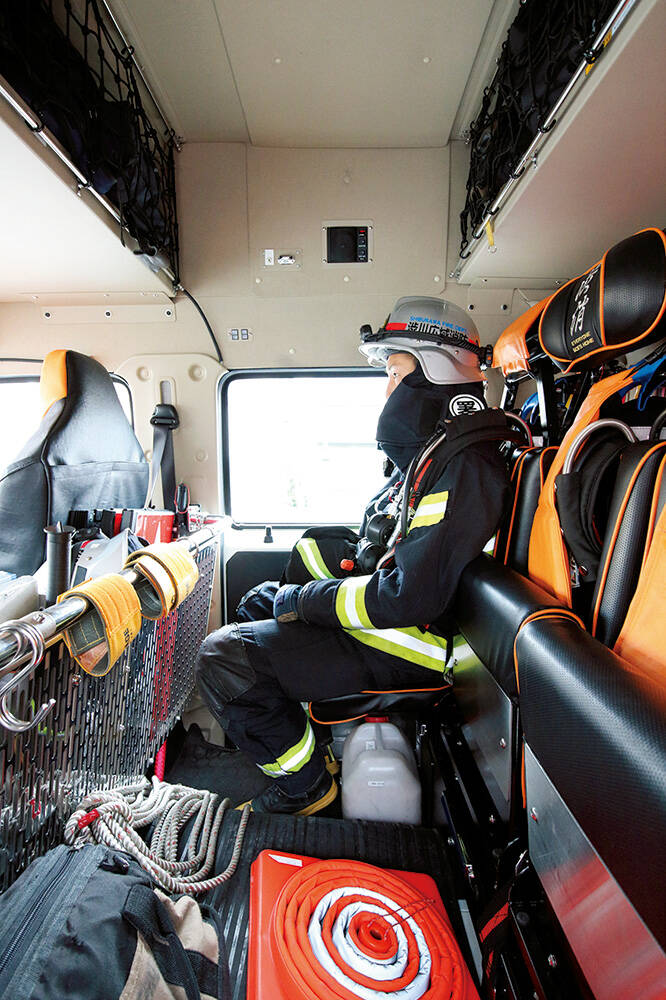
x=172 y=573
x=98 y=639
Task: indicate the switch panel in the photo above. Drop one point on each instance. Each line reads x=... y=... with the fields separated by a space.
x=347 y=243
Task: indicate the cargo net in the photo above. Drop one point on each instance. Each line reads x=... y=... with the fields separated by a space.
x=71 y=68
x=546 y=43
x=102 y=732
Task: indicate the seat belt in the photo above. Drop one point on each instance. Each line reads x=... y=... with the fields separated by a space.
x=164 y=421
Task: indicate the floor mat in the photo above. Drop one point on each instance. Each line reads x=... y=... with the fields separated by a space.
x=228 y=773
x=389 y=845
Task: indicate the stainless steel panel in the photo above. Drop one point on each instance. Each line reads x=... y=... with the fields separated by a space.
x=617 y=953
x=102 y=731
x=488 y=724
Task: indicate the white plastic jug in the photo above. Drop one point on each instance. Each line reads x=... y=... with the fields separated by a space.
x=379 y=776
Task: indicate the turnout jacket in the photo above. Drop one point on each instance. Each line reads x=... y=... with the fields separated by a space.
x=393 y=608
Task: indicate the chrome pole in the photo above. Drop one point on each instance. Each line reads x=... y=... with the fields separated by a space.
x=54 y=620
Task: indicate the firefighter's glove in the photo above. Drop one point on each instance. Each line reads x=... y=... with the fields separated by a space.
x=285 y=603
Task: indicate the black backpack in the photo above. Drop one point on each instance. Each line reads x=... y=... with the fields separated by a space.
x=88 y=924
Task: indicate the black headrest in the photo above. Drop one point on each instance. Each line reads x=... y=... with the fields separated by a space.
x=614 y=307
x=90 y=424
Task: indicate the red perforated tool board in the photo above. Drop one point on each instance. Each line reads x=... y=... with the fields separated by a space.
x=268 y=875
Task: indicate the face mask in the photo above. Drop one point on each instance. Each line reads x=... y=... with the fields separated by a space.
x=413 y=410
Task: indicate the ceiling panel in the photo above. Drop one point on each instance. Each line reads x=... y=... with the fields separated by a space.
x=308 y=73
x=350 y=73
x=180 y=45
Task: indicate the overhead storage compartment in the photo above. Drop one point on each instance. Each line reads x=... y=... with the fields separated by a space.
x=53 y=240
x=71 y=89
x=597 y=176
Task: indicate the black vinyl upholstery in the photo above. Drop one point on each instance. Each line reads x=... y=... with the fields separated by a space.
x=530 y=470
x=84 y=454
x=624 y=545
x=617 y=304
x=491 y=604
x=357 y=706
x=597 y=725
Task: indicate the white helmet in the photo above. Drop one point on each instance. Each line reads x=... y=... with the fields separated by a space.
x=439 y=334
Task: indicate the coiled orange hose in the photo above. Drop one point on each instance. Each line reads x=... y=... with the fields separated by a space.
x=354 y=909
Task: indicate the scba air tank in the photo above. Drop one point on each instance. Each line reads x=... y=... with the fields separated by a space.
x=379 y=776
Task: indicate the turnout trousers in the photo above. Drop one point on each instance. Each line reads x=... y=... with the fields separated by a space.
x=255 y=673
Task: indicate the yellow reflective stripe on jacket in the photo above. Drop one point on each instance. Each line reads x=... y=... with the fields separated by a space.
x=430 y=510
x=309 y=552
x=422 y=648
x=350 y=603
x=294 y=759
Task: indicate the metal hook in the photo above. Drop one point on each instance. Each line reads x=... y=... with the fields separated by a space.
x=28 y=642
x=10 y=721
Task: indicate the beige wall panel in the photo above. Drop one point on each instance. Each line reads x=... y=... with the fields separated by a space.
x=212 y=212
x=193 y=379
x=458 y=174
x=404 y=193
x=296 y=320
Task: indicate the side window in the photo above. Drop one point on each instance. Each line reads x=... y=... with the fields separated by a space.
x=21 y=411
x=299 y=447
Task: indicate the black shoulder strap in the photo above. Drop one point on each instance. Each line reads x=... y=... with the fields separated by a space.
x=144 y=911
x=577 y=496
x=164 y=422
x=462 y=432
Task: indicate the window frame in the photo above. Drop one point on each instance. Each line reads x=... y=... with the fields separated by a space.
x=224 y=483
x=35 y=378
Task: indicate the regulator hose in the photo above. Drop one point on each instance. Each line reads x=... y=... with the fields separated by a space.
x=344 y=930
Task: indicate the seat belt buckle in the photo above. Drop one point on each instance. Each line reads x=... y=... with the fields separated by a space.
x=165 y=415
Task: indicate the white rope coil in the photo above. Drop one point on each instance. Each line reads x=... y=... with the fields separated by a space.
x=113 y=817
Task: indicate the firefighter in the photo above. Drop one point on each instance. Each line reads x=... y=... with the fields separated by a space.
x=379 y=621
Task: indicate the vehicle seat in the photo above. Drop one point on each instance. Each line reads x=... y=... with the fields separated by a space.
x=493 y=601
x=83 y=454
x=595 y=760
x=639 y=489
x=529 y=467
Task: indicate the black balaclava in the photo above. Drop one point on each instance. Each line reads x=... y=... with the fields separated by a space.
x=415 y=407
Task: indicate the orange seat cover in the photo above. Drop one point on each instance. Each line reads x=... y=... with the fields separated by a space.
x=511 y=353
x=548 y=560
x=641 y=640
x=53 y=378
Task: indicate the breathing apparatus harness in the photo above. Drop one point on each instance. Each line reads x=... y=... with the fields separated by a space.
x=384 y=529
